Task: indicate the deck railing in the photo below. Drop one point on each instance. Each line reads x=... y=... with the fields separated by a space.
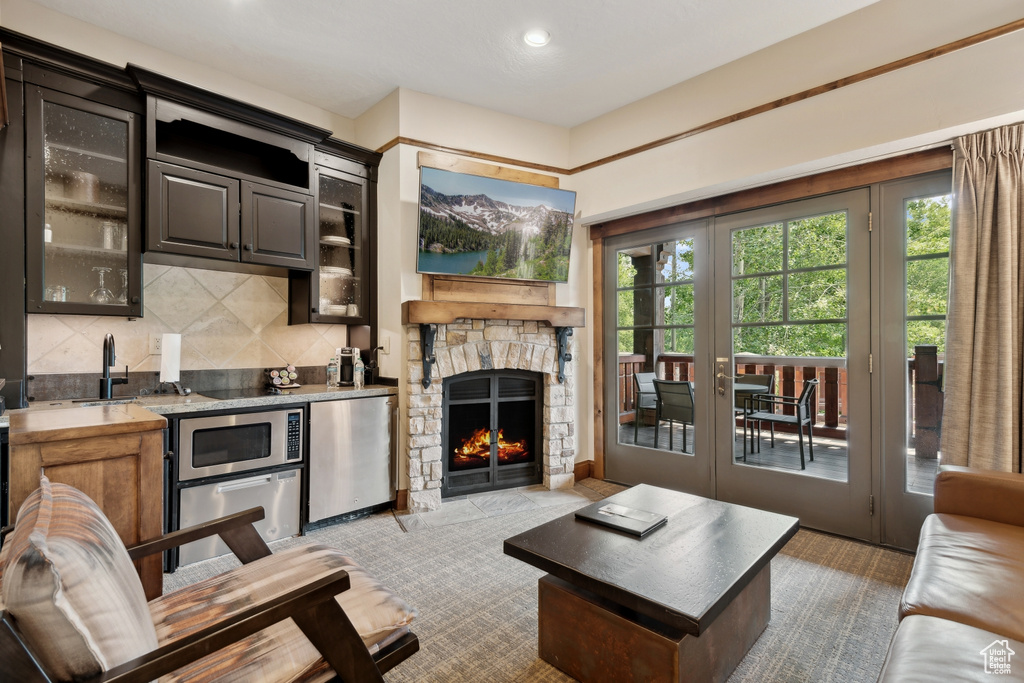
x=925 y=373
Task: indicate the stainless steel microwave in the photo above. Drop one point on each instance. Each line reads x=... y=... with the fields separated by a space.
x=224 y=444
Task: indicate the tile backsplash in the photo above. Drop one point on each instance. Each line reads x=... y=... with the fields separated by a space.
x=226 y=321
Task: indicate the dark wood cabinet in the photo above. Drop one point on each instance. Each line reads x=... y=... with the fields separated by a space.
x=340 y=289
x=197 y=213
x=191 y=212
x=83 y=206
x=278 y=227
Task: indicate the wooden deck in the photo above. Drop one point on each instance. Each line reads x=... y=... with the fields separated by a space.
x=830 y=455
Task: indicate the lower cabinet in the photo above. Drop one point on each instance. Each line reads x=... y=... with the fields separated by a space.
x=113 y=454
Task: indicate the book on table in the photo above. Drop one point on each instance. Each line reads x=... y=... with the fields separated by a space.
x=632 y=521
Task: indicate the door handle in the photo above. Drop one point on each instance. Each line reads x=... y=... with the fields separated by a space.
x=244 y=484
x=721 y=376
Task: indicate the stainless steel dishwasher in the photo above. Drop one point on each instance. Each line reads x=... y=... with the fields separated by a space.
x=351 y=455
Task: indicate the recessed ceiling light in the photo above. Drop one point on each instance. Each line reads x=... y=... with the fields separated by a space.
x=537 y=37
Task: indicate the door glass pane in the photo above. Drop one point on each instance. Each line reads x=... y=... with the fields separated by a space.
x=86 y=206
x=757 y=250
x=677 y=303
x=757 y=299
x=927 y=230
x=655 y=335
x=789 y=330
x=818 y=295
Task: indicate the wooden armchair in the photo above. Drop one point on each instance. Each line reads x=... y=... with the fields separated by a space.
x=307 y=613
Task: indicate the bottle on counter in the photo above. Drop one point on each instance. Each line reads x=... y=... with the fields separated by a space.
x=358 y=372
x=333 y=373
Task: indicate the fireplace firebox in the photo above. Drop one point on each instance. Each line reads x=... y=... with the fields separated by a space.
x=491 y=431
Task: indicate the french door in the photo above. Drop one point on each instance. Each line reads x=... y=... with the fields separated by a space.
x=792 y=303
x=663 y=312
x=781 y=292
x=913 y=271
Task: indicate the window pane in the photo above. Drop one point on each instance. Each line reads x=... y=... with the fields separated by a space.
x=676 y=261
x=757 y=299
x=927 y=286
x=928 y=225
x=634 y=308
x=679 y=340
x=634 y=267
x=818 y=241
x=926 y=332
x=817 y=295
x=626 y=339
x=678 y=303
x=827 y=340
x=757 y=250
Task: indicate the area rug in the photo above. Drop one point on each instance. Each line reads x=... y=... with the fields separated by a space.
x=834 y=600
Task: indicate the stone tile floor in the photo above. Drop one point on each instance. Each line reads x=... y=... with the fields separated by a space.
x=509 y=501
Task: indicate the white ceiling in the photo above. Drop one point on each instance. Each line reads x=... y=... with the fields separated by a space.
x=346 y=55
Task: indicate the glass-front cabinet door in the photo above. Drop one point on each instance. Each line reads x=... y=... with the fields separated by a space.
x=82 y=193
x=340 y=281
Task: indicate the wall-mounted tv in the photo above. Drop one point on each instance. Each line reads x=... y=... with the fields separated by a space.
x=480 y=226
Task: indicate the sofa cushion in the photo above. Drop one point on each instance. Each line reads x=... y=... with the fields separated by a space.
x=928 y=649
x=280 y=652
x=969 y=570
x=70 y=586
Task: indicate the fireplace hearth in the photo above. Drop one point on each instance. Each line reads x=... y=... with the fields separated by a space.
x=510 y=348
x=490 y=430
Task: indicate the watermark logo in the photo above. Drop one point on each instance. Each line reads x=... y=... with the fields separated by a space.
x=997 y=657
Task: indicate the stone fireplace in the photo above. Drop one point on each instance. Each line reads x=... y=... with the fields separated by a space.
x=470 y=345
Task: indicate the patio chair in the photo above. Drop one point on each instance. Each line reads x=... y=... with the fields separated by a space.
x=766 y=384
x=73 y=606
x=644 y=398
x=675 y=404
x=761 y=408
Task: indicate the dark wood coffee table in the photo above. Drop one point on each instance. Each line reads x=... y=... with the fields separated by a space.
x=684 y=603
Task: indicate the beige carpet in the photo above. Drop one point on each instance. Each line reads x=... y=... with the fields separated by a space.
x=834 y=601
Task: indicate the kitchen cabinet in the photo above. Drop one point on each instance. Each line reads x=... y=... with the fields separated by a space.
x=197 y=213
x=351 y=455
x=113 y=454
x=83 y=199
x=340 y=289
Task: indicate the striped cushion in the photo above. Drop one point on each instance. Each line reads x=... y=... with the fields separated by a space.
x=280 y=652
x=69 y=584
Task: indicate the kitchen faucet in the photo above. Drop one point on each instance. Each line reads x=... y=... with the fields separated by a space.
x=107 y=382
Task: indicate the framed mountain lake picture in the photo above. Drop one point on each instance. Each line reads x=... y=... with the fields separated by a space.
x=487 y=227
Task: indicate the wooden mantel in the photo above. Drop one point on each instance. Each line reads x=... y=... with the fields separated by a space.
x=444 y=312
x=448 y=297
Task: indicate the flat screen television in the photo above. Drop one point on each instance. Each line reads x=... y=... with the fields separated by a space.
x=487 y=227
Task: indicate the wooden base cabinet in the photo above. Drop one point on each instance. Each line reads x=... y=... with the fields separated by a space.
x=113 y=454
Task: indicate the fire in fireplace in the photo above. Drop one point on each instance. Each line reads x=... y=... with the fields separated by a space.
x=476 y=450
x=491 y=431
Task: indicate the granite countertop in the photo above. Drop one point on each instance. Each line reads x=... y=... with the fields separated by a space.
x=173 y=404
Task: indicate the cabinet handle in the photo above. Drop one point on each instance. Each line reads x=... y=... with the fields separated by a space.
x=135 y=299
x=313 y=309
x=248 y=247
x=233 y=245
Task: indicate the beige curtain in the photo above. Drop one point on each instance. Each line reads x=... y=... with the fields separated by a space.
x=982 y=424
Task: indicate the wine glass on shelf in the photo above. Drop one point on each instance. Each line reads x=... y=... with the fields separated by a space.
x=123 y=297
x=101 y=295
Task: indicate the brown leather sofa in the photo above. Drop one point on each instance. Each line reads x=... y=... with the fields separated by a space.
x=962 y=612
